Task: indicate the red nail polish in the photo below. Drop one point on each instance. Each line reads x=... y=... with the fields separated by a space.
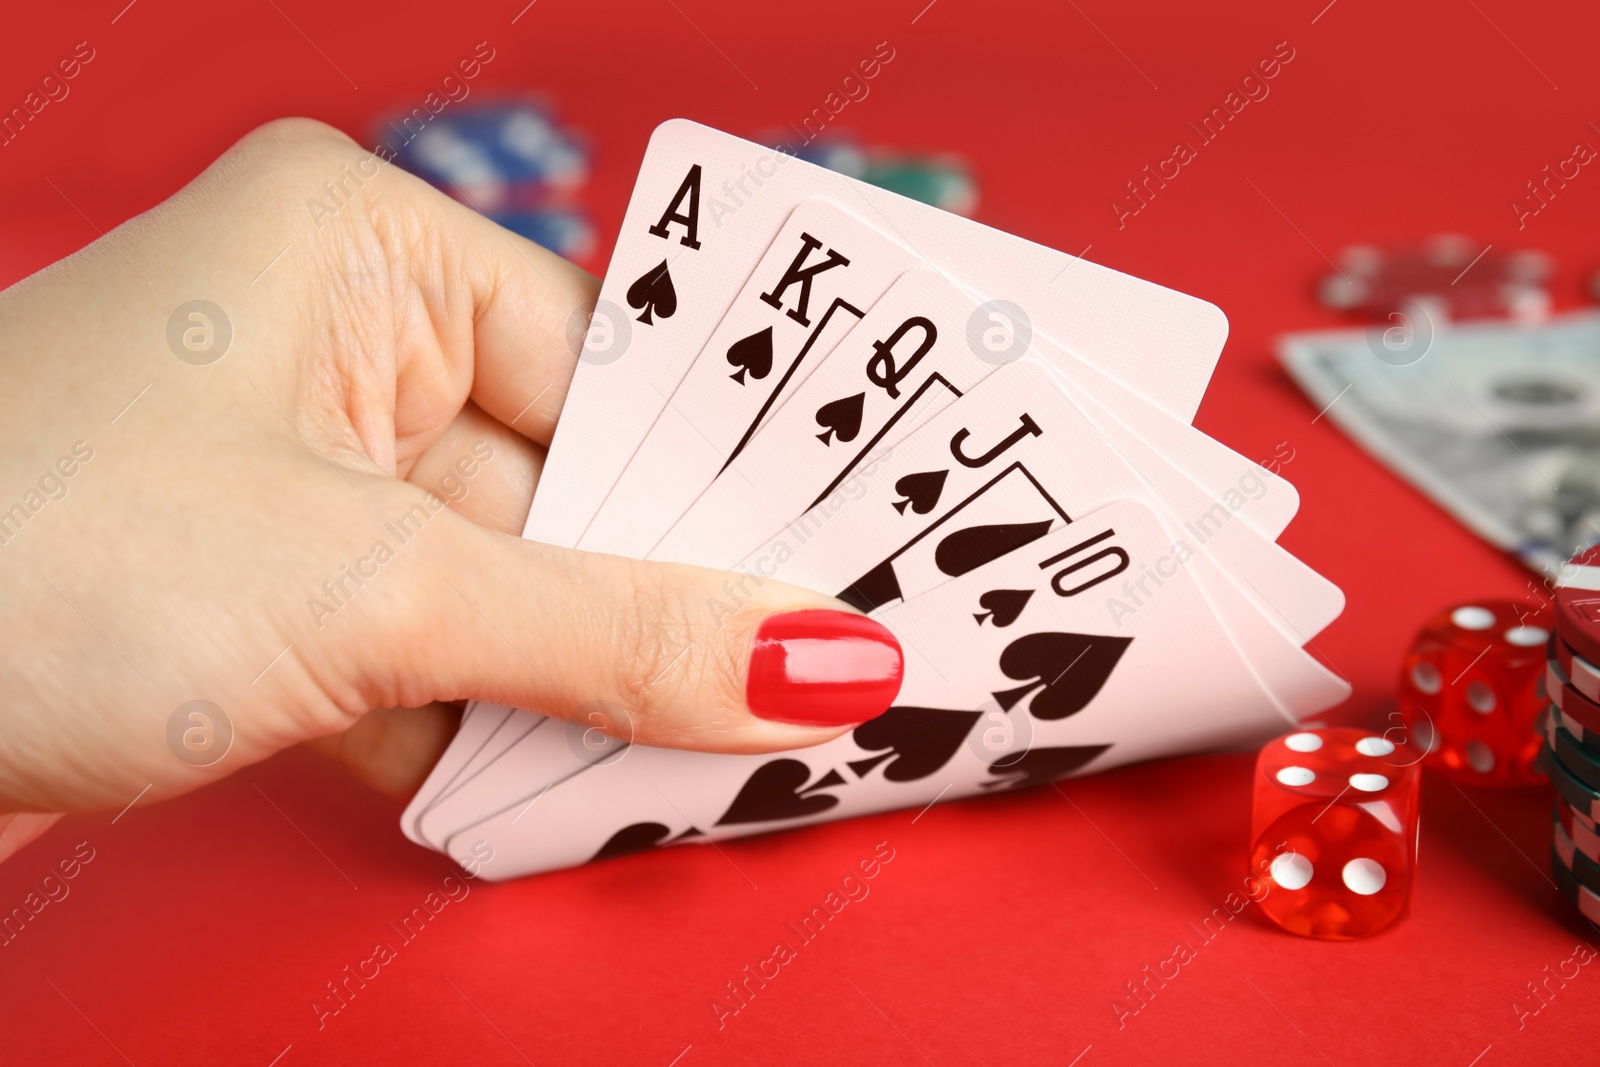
x=823 y=668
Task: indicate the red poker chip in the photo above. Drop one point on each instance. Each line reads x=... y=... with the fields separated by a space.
x=1571 y=703
x=1582 y=867
x=1585 y=899
x=1579 y=761
x=1586 y=740
x=1569 y=787
x=1578 y=604
x=1580 y=831
x=1583 y=675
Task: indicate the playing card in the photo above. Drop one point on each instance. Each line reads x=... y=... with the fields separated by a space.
x=819 y=276
x=1255 y=494
x=1005 y=465
x=906 y=359
x=1072 y=682
x=901 y=366
x=531 y=751
x=927 y=360
x=478 y=723
x=705 y=207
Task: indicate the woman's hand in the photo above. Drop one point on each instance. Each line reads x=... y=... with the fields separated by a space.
x=299 y=501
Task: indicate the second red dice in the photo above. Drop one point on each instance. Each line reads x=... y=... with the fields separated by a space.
x=1469 y=692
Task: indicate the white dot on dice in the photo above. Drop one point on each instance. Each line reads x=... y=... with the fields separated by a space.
x=1527 y=636
x=1374 y=746
x=1368 y=783
x=1472 y=618
x=1297 y=776
x=1303 y=742
x=1291 y=870
x=1481 y=698
x=1364 y=876
x=1425 y=676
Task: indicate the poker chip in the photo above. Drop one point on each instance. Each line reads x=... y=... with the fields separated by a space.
x=489 y=147
x=1571 y=728
x=1582 y=868
x=941 y=179
x=1578 y=817
x=1584 y=800
x=511 y=160
x=1579 y=831
x=1455 y=276
x=1580 y=761
x=1586 y=900
x=1586 y=739
x=1571 y=703
x=1583 y=675
x=569 y=234
x=1577 y=604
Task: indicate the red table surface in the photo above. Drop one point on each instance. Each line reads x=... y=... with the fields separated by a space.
x=1003 y=930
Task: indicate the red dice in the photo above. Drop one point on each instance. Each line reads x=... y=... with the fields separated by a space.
x=1470 y=692
x=1334 y=830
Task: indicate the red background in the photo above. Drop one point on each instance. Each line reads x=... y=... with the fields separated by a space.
x=1003 y=928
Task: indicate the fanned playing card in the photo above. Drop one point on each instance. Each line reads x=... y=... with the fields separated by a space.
x=981 y=441
x=1069 y=684
x=705 y=209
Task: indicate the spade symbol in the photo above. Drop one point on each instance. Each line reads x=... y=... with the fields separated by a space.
x=778 y=791
x=1039 y=766
x=920 y=490
x=638 y=837
x=967 y=550
x=1004 y=605
x=653 y=292
x=919 y=741
x=841 y=417
x=1068 y=670
x=753 y=354
x=635 y=838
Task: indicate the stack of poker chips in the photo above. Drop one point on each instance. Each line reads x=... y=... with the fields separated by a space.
x=1572 y=732
x=510 y=160
x=1433 y=275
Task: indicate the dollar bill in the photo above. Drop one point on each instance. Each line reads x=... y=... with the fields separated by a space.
x=1499 y=423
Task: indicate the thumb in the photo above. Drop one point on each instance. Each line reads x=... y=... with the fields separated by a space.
x=655 y=653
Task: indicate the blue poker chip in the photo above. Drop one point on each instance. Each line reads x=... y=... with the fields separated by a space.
x=487 y=154
x=566 y=233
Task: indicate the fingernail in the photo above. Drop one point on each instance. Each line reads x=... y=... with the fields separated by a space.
x=823 y=668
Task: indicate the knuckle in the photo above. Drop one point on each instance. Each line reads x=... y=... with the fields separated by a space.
x=669 y=658
x=297 y=134
x=274 y=169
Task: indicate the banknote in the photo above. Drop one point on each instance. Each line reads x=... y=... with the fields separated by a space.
x=1499 y=423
